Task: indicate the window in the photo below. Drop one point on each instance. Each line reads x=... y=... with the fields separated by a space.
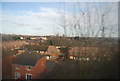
x=71 y=57
x=74 y=58
x=37 y=51
x=28 y=68
x=17 y=66
x=44 y=51
x=47 y=57
x=41 y=51
x=17 y=75
x=87 y=59
x=28 y=76
x=42 y=63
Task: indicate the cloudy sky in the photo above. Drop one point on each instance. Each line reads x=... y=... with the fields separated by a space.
x=35 y=18
x=29 y=18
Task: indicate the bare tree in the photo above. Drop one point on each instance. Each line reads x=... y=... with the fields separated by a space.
x=89 y=24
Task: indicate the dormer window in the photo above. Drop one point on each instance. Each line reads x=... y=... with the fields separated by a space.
x=17 y=66
x=28 y=68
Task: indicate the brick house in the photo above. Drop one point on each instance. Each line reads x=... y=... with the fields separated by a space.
x=35 y=48
x=64 y=51
x=34 y=42
x=28 y=65
x=52 y=52
x=83 y=53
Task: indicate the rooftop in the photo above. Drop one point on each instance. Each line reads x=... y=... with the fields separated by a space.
x=84 y=49
x=27 y=58
x=35 y=47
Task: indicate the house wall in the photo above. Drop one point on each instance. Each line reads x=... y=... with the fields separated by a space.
x=39 y=68
x=43 y=51
x=55 y=55
x=53 y=51
x=36 y=71
x=7 y=67
x=35 y=43
x=85 y=53
x=20 y=51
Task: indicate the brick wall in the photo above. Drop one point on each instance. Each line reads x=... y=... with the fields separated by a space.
x=36 y=71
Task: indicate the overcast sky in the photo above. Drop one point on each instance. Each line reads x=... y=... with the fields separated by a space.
x=34 y=18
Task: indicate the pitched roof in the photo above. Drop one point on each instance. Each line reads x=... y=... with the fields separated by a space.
x=63 y=48
x=33 y=41
x=53 y=48
x=27 y=58
x=36 y=47
x=84 y=49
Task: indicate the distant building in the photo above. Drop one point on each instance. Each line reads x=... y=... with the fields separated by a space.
x=32 y=38
x=83 y=53
x=37 y=37
x=36 y=48
x=64 y=51
x=28 y=65
x=44 y=38
x=53 y=52
x=34 y=42
x=22 y=38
